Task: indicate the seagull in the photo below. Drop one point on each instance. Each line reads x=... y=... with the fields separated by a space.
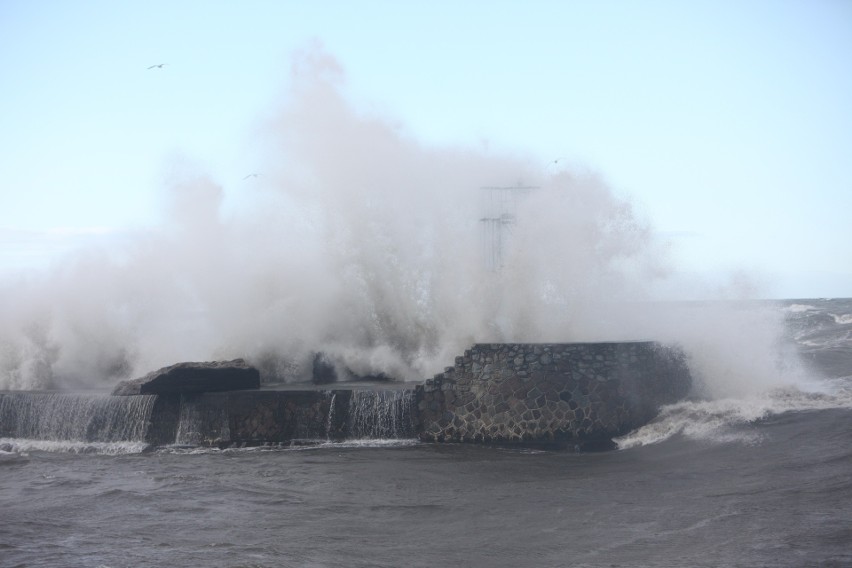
x=252 y=176
x=158 y=66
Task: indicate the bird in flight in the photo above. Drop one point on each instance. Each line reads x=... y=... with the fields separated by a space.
x=158 y=66
x=252 y=176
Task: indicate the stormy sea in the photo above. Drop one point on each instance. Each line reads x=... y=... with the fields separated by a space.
x=763 y=478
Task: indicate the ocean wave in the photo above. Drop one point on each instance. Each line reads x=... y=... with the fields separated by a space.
x=720 y=421
x=842 y=319
x=797 y=308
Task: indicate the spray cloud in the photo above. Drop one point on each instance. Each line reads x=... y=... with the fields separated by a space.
x=365 y=244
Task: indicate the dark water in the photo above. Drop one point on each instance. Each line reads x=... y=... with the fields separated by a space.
x=759 y=481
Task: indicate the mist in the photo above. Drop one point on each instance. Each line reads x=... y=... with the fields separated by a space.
x=389 y=255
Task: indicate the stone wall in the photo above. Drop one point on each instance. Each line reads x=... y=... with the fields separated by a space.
x=576 y=395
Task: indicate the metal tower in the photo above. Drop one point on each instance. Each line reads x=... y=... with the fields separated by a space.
x=501 y=205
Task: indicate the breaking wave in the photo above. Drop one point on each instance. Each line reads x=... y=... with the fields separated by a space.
x=727 y=420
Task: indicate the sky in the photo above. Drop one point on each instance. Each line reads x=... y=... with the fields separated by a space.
x=728 y=125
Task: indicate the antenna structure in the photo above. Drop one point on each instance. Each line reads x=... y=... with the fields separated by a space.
x=501 y=205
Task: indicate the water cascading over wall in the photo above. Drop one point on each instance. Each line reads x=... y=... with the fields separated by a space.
x=242 y=418
x=75 y=417
x=382 y=414
x=251 y=418
x=245 y=418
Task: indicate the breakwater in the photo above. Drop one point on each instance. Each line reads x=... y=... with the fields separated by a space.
x=574 y=395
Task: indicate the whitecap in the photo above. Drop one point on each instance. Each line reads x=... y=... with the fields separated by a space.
x=717 y=420
x=797 y=308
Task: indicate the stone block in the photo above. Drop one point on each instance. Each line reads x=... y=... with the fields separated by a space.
x=193 y=378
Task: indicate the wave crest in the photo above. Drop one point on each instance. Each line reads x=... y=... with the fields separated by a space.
x=721 y=421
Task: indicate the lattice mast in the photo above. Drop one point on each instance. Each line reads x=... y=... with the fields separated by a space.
x=501 y=203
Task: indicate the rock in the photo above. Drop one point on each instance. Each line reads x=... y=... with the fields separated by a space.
x=324 y=371
x=183 y=378
x=327 y=369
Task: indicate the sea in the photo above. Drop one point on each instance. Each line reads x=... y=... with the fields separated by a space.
x=759 y=480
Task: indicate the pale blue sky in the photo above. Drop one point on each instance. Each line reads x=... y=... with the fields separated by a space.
x=729 y=124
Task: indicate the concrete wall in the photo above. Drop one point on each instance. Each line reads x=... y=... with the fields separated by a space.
x=240 y=418
x=576 y=395
x=259 y=417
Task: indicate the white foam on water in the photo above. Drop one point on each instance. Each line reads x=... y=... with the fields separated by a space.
x=302 y=445
x=23 y=445
x=842 y=319
x=798 y=308
x=371 y=443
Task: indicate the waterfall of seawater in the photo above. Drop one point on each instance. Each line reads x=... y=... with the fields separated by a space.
x=329 y=423
x=201 y=424
x=381 y=414
x=74 y=420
